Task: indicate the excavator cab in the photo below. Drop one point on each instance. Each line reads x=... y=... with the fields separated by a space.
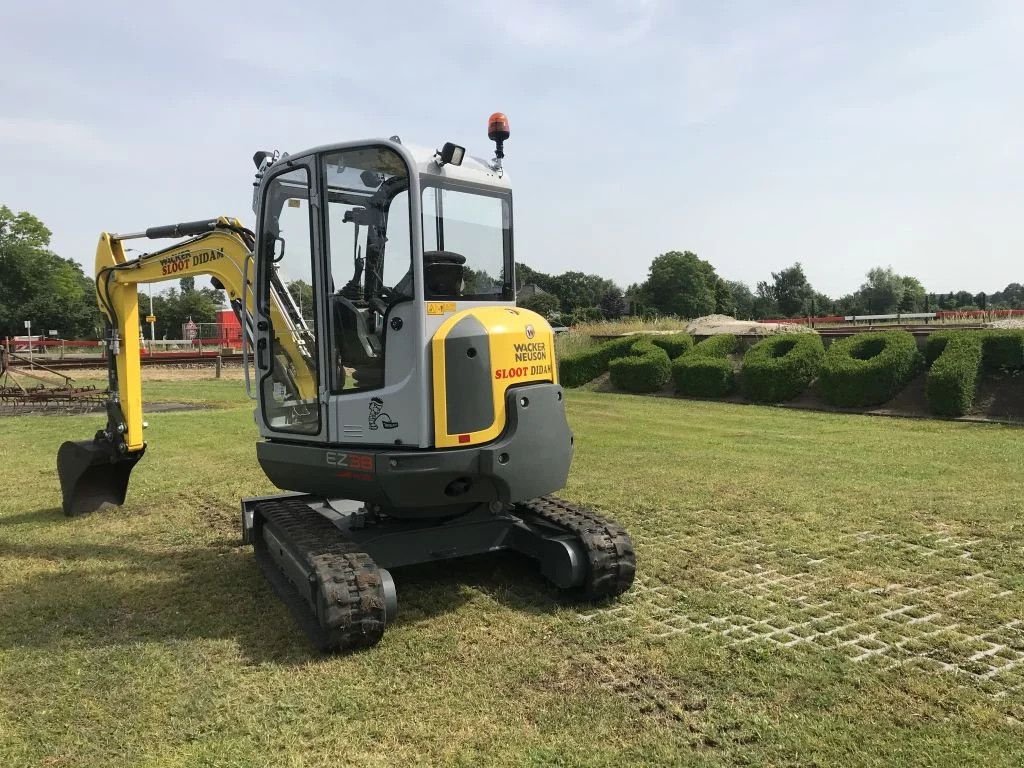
x=409 y=408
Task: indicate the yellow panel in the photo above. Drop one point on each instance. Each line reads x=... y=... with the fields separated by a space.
x=522 y=350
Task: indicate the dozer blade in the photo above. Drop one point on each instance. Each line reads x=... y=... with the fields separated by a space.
x=93 y=474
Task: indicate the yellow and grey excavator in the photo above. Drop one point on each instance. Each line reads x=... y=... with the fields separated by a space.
x=409 y=409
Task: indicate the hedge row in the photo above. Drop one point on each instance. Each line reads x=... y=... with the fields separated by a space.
x=869 y=368
x=576 y=370
x=957 y=359
x=674 y=344
x=706 y=371
x=781 y=367
x=645 y=369
x=954 y=374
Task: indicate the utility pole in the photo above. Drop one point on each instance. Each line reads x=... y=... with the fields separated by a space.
x=28 y=330
x=152 y=322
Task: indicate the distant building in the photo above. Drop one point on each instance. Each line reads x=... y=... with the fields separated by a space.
x=528 y=291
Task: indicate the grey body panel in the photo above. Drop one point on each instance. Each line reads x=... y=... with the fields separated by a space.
x=468 y=397
x=354 y=416
x=530 y=459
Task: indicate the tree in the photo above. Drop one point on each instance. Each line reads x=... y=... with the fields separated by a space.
x=38 y=285
x=791 y=291
x=1011 y=297
x=302 y=293
x=742 y=300
x=576 y=289
x=612 y=305
x=544 y=304
x=187 y=284
x=679 y=283
x=914 y=295
x=724 y=304
x=174 y=308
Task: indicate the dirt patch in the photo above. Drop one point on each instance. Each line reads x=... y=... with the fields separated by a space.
x=711 y=325
x=170 y=373
x=25 y=409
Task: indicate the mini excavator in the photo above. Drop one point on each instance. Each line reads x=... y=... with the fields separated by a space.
x=407 y=408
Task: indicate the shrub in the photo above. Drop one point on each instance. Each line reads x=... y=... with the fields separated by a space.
x=700 y=376
x=1002 y=349
x=954 y=374
x=781 y=367
x=645 y=369
x=706 y=371
x=576 y=370
x=869 y=368
x=716 y=346
x=675 y=344
x=935 y=345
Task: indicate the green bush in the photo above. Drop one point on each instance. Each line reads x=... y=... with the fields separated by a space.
x=781 y=367
x=645 y=369
x=954 y=374
x=716 y=346
x=869 y=368
x=706 y=371
x=936 y=344
x=700 y=376
x=576 y=370
x=1002 y=349
x=674 y=344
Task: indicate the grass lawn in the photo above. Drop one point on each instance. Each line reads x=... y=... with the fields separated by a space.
x=813 y=589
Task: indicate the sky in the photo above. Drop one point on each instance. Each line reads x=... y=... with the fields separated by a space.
x=843 y=135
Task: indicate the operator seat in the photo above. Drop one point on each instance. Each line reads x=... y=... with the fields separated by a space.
x=443 y=272
x=358 y=348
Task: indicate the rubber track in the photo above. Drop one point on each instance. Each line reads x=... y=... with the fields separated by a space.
x=350 y=610
x=608 y=546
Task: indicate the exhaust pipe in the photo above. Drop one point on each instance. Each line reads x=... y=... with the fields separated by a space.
x=93 y=473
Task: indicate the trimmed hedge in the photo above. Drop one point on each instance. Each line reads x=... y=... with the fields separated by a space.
x=954 y=374
x=1002 y=349
x=576 y=370
x=706 y=371
x=869 y=368
x=645 y=369
x=781 y=367
x=936 y=345
x=958 y=359
x=674 y=344
x=716 y=346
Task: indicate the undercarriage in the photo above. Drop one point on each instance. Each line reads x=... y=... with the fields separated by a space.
x=329 y=560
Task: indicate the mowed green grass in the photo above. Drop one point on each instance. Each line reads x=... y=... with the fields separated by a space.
x=145 y=635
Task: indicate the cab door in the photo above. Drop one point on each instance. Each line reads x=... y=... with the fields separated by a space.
x=287 y=318
x=376 y=381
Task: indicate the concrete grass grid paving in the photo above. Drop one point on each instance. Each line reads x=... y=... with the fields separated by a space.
x=791 y=598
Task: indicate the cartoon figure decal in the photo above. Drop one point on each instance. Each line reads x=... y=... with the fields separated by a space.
x=377 y=415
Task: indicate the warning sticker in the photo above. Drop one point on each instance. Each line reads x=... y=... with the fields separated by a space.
x=440 y=307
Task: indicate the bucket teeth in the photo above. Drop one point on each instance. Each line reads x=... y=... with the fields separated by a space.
x=92 y=474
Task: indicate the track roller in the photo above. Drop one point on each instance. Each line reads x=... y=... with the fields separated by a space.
x=609 y=551
x=338 y=595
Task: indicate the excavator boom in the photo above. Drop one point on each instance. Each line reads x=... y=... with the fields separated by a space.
x=95 y=472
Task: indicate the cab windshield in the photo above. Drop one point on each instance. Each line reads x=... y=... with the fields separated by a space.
x=467 y=244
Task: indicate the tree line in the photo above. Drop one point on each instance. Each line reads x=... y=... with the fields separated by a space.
x=55 y=294
x=682 y=284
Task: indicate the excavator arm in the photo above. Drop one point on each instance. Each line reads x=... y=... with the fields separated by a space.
x=97 y=471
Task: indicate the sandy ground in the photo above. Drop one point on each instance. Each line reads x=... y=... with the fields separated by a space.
x=167 y=373
x=711 y=325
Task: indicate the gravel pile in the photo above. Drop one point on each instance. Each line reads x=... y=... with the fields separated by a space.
x=711 y=325
x=1010 y=323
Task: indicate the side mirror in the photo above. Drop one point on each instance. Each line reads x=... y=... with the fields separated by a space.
x=451 y=154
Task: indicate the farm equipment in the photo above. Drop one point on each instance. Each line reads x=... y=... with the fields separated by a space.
x=409 y=410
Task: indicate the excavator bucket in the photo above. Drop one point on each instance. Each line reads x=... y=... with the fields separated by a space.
x=93 y=474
